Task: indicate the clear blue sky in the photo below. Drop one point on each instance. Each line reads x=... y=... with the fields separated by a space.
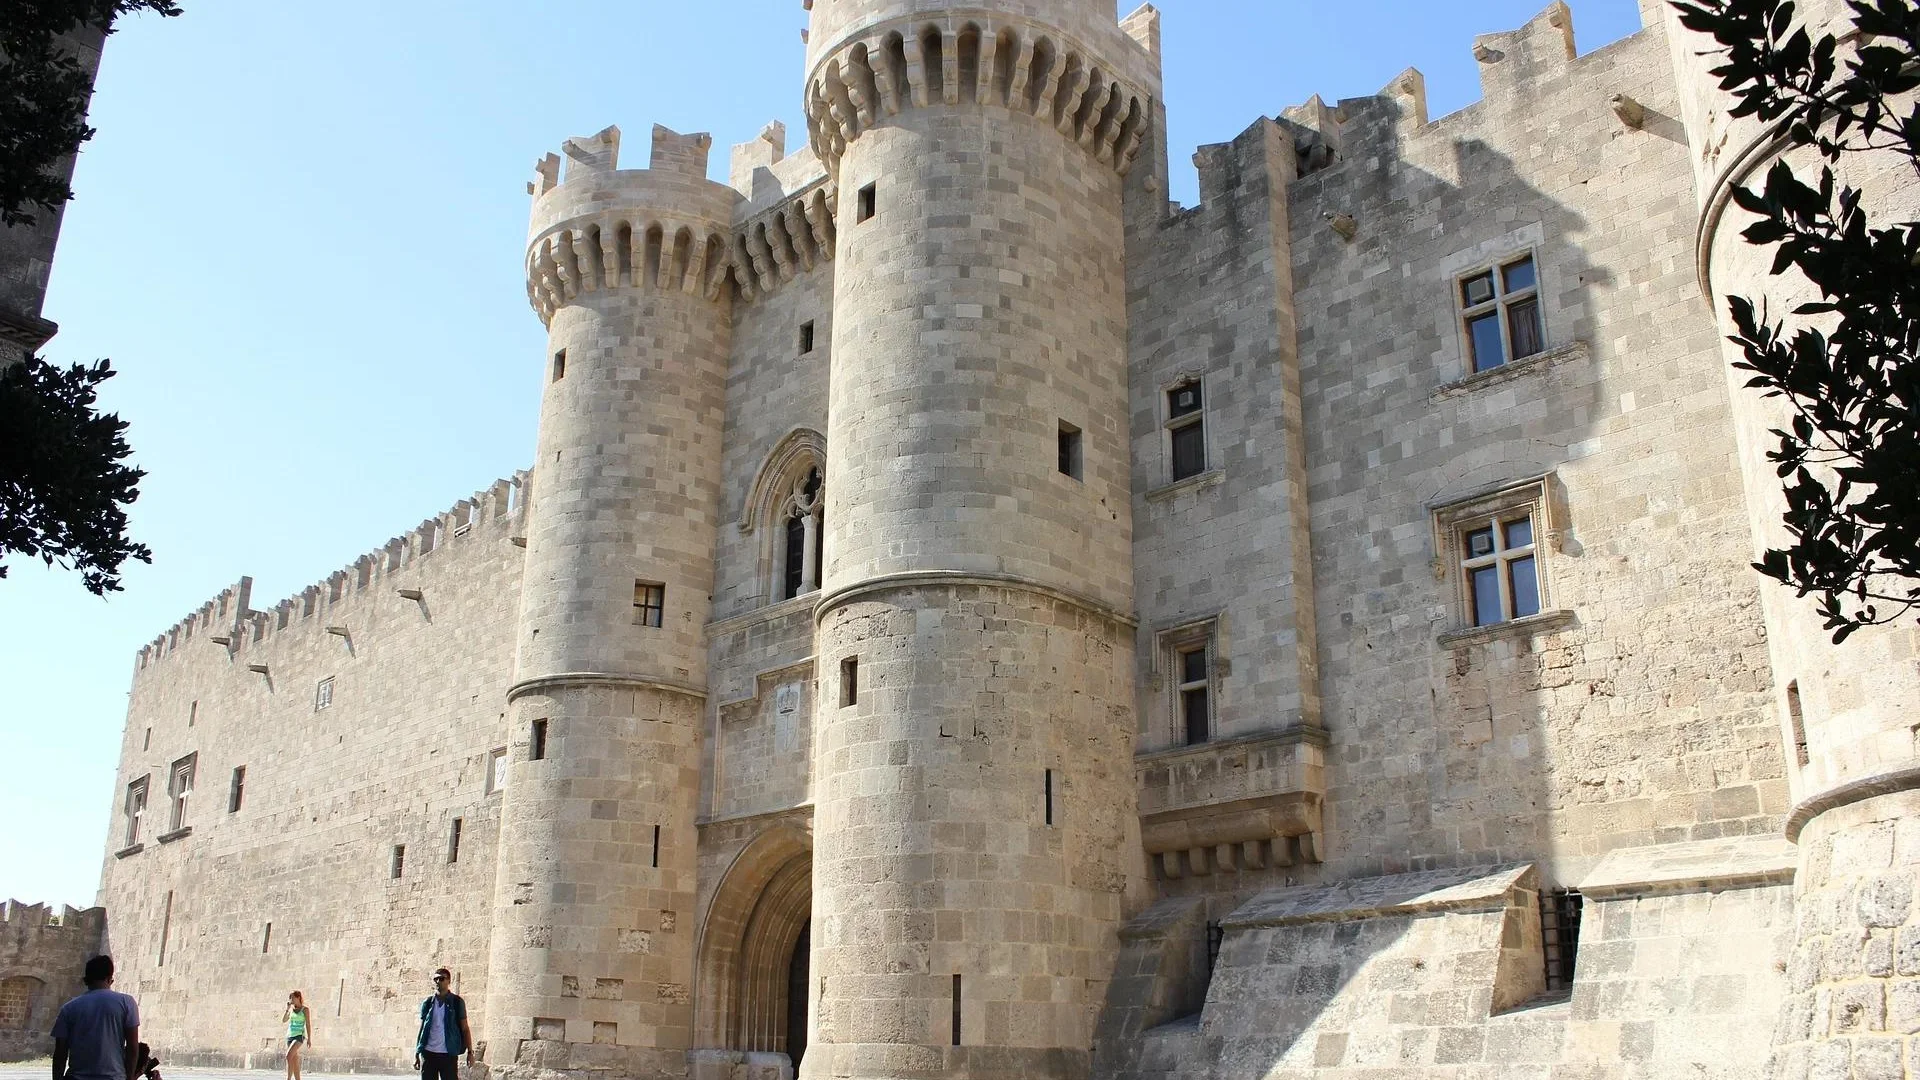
x=299 y=232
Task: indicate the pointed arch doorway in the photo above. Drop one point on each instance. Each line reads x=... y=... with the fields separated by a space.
x=755 y=949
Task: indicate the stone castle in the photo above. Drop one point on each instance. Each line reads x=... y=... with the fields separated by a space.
x=1366 y=679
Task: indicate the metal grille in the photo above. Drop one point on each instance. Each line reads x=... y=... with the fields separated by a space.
x=1560 y=936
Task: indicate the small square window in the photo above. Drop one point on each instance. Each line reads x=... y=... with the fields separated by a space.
x=868 y=202
x=559 y=365
x=649 y=603
x=1494 y=541
x=1500 y=314
x=806 y=337
x=323 y=694
x=1069 y=450
x=497 y=770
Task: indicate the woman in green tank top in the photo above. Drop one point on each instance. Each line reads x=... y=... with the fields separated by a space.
x=299 y=1031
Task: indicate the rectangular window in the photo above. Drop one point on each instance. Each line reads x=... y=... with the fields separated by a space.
x=806 y=337
x=1049 y=796
x=649 y=603
x=399 y=860
x=266 y=938
x=1186 y=431
x=497 y=770
x=179 y=788
x=1500 y=313
x=1494 y=540
x=237 y=790
x=1069 y=450
x=453 y=841
x=1195 y=675
x=656 y=847
x=1497 y=560
x=136 y=809
x=559 y=365
x=956 y=1010
x=323 y=694
x=193 y=713
x=849 y=682
x=868 y=202
x=537 y=741
x=147 y=743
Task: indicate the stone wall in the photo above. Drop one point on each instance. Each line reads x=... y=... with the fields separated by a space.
x=215 y=921
x=1637 y=708
x=1438 y=974
x=42 y=955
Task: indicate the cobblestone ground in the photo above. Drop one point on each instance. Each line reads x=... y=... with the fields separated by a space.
x=43 y=1069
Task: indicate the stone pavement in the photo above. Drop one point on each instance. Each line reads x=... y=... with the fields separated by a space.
x=41 y=1069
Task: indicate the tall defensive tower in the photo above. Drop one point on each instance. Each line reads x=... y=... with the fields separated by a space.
x=1848 y=713
x=591 y=962
x=974 y=814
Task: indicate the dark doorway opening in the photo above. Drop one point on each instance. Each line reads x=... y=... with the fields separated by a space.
x=797 y=994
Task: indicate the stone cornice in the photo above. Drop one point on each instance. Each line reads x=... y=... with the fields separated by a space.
x=1869 y=787
x=909 y=579
x=603 y=678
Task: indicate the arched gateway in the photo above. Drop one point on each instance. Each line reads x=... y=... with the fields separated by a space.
x=754 y=950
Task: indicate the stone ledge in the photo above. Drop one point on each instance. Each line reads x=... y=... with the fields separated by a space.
x=1195 y=482
x=1469 y=888
x=1871 y=787
x=1511 y=370
x=1741 y=862
x=178 y=834
x=131 y=849
x=1547 y=622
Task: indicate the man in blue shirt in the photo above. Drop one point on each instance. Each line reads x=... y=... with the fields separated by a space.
x=97 y=1035
x=443 y=1032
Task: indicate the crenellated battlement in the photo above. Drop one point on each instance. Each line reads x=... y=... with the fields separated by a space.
x=64 y=919
x=229 y=622
x=597 y=227
x=1516 y=68
x=912 y=62
x=790 y=238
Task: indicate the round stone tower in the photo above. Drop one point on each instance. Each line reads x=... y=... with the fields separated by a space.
x=974 y=813
x=591 y=962
x=1848 y=712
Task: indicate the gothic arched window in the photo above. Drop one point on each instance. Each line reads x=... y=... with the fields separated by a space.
x=800 y=568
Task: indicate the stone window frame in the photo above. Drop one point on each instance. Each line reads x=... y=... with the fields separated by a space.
x=323 y=694
x=496 y=770
x=771 y=503
x=180 y=777
x=1169 y=644
x=1499 y=305
x=1170 y=424
x=135 y=807
x=649 y=603
x=1457 y=374
x=1455 y=519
